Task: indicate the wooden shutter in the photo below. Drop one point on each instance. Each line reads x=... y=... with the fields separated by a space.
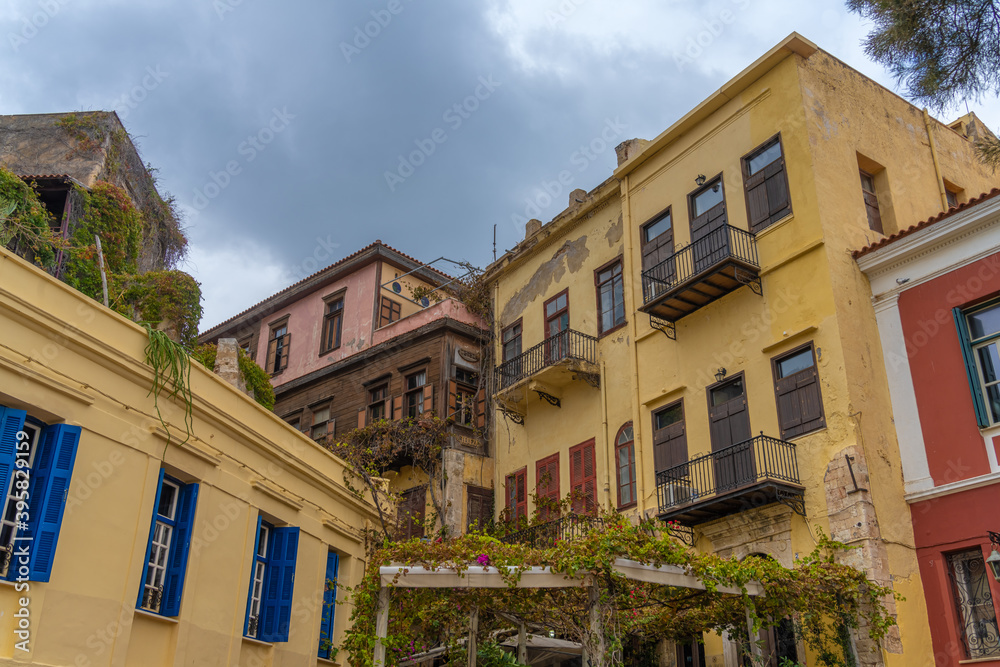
x=481 y=408
x=253 y=565
x=452 y=398
x=285 y=350
x=11 y=423
x=583 y=478
x=479 y=510
x=411 y=513
x=428 y=399
x=397 y=407
x=730 y=423
x=362 y=417
x=149 y=542
x=329 y=605
x=800 y=405
x=179 y=547
x=767 y=194
x=276 y=605
x=547 y=483
x=669 y=446
x=521 y=479
x=49 y=489
x=272 y=350
x=964 y=340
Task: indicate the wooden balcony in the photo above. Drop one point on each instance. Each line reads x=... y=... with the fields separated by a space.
x=755 y=472
x=698 y=274
x=546 y=368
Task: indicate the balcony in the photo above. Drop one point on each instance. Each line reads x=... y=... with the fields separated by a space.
x=711 y=267
x=546 y=534
x=546 y=368
x=755 y=472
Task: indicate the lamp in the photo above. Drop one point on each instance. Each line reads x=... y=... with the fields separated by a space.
x=720 y=375
x=700 y=179
x=994 y=560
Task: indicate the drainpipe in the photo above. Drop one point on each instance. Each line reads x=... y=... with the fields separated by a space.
x=934 y=158
x=608 y=445
x=632 y=327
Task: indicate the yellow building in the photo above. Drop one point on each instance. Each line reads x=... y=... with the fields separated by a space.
x=691 y=339
x=132 y=549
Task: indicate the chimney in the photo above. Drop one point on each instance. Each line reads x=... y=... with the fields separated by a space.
x=532 y=227
x=227 y=366
x=628 y=149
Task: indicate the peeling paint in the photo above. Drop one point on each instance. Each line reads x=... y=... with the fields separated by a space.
x=614 y=234
x=571 y=255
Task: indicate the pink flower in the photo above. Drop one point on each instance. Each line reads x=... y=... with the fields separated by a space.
x=483 y=559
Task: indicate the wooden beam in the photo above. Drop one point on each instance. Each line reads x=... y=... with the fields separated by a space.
x=674 y=575
x=381 y=625
x=475 y=577
x=472 y=650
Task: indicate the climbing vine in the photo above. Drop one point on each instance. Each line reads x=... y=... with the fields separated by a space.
x=256 y=379
x=25 y=225
x=171 y=299
x=819 y=593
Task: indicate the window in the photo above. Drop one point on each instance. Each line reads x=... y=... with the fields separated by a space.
x=323 y=424
x=516 y=493
x=329 y=605
x=511 y=340
x=411 y=513
x=970 y=585
x=979 y=333
x=547 y=487
x=610 y=297
x=709 y=222
x=583 y=478
x=871 y=201
x=556 y=327
x=952 y=198
x=167 y=549
x=479 y=510
x=278 y=347
x=625 y=463
x=766 y=185
x=246 y=344
x=466 y=403
x=376 y=403
x=414 y=398
x=333 y=321
x=272 y=578
x=390 y=311
x=796 y=390
x=36 y=464
x=669 y=437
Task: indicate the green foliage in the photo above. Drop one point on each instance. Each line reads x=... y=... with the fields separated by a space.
x=172 y=371
x=255 y=378
x=818 y=593
x=24 y=220
x=490 y=654
x=109 y=213
x=171 y=297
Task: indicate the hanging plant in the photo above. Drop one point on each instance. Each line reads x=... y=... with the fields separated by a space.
x=172 y=371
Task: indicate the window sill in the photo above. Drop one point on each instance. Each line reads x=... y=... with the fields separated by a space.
x=802 y=435
x=612 y=330
x=157 y=617
x=774 y=225
x=630 y=506
x=258 y=642
x=976 y=661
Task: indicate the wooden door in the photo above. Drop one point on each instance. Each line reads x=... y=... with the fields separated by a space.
x=669 y=437
x=557 y=327
x=730 y=433
x=547 y=487
x=708 y=221
x=657 y=238
x=583 y=478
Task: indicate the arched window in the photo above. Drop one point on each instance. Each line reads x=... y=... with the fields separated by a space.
x=625 y=465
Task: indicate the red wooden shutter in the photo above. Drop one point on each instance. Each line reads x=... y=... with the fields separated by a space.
x=397 y=407
x=428 y=399
x=521 y=483
x=452 y=398
x=583 y=478
x=547 y=485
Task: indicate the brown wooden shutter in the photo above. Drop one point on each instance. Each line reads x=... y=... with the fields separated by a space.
x=800 y=404
x=479 y=511
x=583 y=478
x=362 y=417
x=428 y=399
x=287 y=346
x=397 y=408
x=874 y=215
x=452 y=398
x=272 y=349
x=669 y=446
x=481 y=408
x=411 y=513
x=767 y=195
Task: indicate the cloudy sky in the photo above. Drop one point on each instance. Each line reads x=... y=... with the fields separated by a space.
x=293 y=133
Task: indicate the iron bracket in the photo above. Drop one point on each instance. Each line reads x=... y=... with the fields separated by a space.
x=793 y=501
x=593 y=379
x=668 y=328
x=515 y=417
x=751 y=280
x=683 y=533
x=552 y=400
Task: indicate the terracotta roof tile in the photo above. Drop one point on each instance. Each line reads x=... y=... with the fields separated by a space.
x=926 y=223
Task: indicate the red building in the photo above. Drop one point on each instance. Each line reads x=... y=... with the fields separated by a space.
x=936 y=292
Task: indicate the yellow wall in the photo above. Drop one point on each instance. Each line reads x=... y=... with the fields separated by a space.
x=827 y=116
x=65 y=358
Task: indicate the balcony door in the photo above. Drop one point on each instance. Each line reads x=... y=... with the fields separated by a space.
x=557 y=327
x=732 y=447
x=657 y=247
x=708 y=222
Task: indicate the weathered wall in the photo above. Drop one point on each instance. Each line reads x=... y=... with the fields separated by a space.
x=67 y=359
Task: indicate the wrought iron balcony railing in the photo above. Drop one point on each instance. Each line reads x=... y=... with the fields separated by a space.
x=151 y=597
x=727 y=243
x=567 y=344
x=744 y=466
x=564 y=528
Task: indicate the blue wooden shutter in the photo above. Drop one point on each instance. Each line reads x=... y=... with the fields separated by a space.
x=52 y=472
x=179 y=547
x=279 y=582
x=972 y=371
x=149 y=542
x=253 y=568
x=11 y=422
x=329 y=605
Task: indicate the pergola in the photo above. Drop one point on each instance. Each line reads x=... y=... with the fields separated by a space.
x=477 y=576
